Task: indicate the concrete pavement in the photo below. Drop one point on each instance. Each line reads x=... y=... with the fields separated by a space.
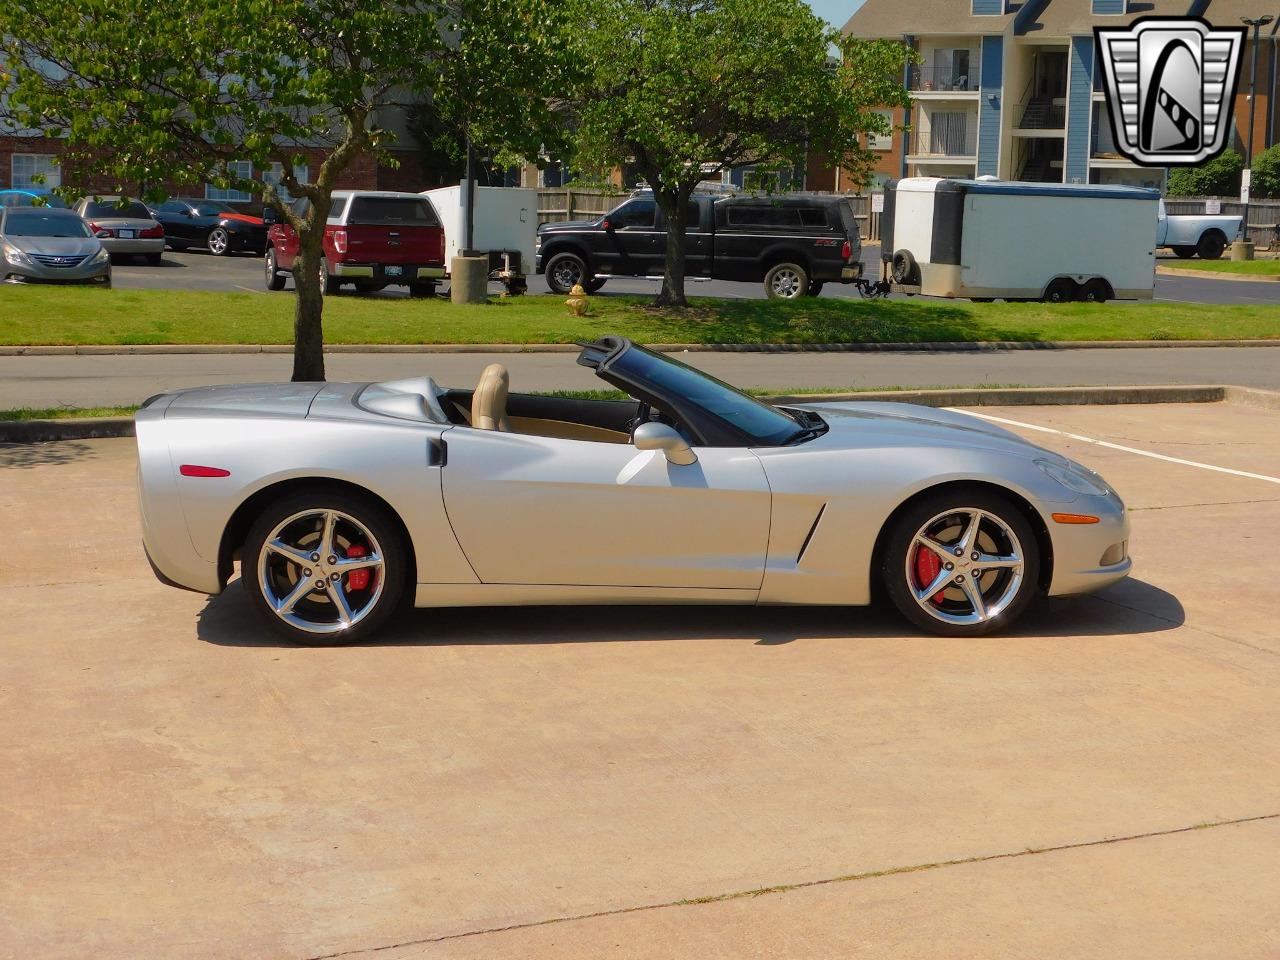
x=1100 y=784
x=80 y=381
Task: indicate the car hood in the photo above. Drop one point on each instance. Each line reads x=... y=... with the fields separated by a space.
x=286 y=400
x=57 y=246
x=863 y=424
x=241 y=218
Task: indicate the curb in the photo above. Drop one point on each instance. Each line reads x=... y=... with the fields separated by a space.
x=1215 y=275
x=988 y=346
x=89 y=428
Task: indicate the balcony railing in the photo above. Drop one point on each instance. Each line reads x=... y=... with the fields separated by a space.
x=935 y=79
x=954 y=135
x=1041 y=113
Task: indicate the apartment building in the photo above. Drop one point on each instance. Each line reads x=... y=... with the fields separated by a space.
x=1012 y=89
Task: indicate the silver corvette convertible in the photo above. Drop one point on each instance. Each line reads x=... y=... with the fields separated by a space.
x=341 y=501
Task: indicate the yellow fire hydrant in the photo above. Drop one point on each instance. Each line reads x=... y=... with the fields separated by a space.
x=577 y=302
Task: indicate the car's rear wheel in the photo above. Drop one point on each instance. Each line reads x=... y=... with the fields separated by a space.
x=1211 y=246
x=219 y=242
x=564 y=270
x=786 y=281
x=328 y=283
x=275 y=281
x=325 y=568
x=154 y=259
x=961 y=563
x=1185 y=252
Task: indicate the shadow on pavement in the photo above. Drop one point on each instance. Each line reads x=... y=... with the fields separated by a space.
x=1133 y=608
x=26 y=455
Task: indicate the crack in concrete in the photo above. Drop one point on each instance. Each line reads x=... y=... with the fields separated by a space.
x=1211 y=503
x=788 y=887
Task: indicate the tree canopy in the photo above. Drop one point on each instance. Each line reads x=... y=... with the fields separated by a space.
x=160 y=93
x=1220 y=177
x=686 y=89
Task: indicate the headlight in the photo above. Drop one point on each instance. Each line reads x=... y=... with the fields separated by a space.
x=101 y=256
x=1075 y=478
x=17 y=257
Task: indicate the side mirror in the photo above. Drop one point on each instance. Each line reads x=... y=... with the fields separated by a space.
x=607 y=225
x=270 y=216
x=658 y=436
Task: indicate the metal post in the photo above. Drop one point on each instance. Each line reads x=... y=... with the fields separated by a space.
x=1257 y=24
x=469 y=234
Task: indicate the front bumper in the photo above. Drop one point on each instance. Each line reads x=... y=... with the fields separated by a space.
x=84 y=273
x=388 y=272
x=1088 y=557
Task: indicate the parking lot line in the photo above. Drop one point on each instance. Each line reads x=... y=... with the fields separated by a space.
x=1117 y=446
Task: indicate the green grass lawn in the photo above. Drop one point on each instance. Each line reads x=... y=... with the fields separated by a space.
x=1253 y=268
x=75 y=315
x=65 y=413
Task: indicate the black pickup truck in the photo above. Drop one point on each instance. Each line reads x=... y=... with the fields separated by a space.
x=793 y=244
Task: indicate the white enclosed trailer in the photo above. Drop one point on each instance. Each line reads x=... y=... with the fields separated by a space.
x=984 y=239
x=506 y=228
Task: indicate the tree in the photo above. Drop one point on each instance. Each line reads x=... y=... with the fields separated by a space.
x=163 y=93
x=686 y=89
x=1266 y=173
x=1220 y=177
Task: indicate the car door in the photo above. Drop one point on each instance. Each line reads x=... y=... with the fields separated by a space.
x=633 y=243
x=285 y=239
x=539 y=510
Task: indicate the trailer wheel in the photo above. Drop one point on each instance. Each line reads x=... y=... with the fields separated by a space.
x=905 y=269
x=1060 y=290
x=1096 y=291
x=1184 y=252
x=1211 y=245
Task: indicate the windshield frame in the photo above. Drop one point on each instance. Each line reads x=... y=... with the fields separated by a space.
x=631 y=368
x=42 y=214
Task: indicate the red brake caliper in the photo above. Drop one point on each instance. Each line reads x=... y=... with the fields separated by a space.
x=928 y=566
x=357 y=579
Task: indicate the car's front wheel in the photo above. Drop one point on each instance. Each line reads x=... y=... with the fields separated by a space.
x=219 y=242
x=275 y=280
x=564 y=270
x=961 y=563
x=325 y=568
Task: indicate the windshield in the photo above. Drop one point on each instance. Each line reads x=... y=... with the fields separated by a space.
x=34 y=224
x=109 y=209
x=209 y=208
x=765 y=425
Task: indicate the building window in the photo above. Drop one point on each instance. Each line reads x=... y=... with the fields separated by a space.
x=301 y=173
x=237 y=168
x=881 y=141
x=27 y=166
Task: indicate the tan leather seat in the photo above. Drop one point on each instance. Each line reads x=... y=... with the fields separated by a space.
x=489 y=402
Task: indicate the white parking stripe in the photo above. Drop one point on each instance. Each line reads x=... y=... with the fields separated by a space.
x=1117 y=446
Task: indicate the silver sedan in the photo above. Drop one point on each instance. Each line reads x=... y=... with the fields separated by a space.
x=124 y=227
x=342 y=500
x=48 y=245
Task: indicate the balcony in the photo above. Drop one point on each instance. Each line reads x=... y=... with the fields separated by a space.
x=923 y=79
x=945 y=136
x=1042 y=113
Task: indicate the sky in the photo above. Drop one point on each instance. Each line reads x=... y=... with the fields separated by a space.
x=835 y=12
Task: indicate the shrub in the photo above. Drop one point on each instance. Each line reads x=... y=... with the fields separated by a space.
x=1220 y=177
x=1266 y=173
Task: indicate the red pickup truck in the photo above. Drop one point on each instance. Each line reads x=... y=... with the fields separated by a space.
x=372 y=239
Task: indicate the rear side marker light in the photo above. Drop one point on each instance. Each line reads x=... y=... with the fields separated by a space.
x=340 y=241
x=195 y=470
x=1073 y=518
x=846 y=251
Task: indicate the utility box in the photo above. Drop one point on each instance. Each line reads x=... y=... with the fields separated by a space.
x=988 y=239
x=506 y=229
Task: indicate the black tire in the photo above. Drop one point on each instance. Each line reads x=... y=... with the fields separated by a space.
x=900 y=545
x=153 y=259
x=1184 y=252
x=815 y=288
x=786 y=281
x=903 y=268
x=565 y=269
x=1211 y=245
x=394 y=574
x=594 y=284
x=1095 y=291
x=218 y=242
x=275 y=280
x=423 y=289
x=329 y=284
x=1060 y=290
x=983 y=299
x=370 y=286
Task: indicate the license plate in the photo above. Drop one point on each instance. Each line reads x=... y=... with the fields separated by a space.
x=125 y=234
x=393 y=271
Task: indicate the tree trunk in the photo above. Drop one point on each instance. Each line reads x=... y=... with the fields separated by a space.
x=672 y=292
x=308 y=328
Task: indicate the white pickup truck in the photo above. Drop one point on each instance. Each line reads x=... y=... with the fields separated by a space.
x=1191 y=235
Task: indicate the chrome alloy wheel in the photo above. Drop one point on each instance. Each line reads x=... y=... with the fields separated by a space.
x=964 y=566
x=219 y=241
x=567 y=273
x=787 y=283
x=321 y=571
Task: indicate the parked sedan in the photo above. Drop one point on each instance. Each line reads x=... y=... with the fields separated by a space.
x=217 y=226
x=124 y=228
x=49 y=245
